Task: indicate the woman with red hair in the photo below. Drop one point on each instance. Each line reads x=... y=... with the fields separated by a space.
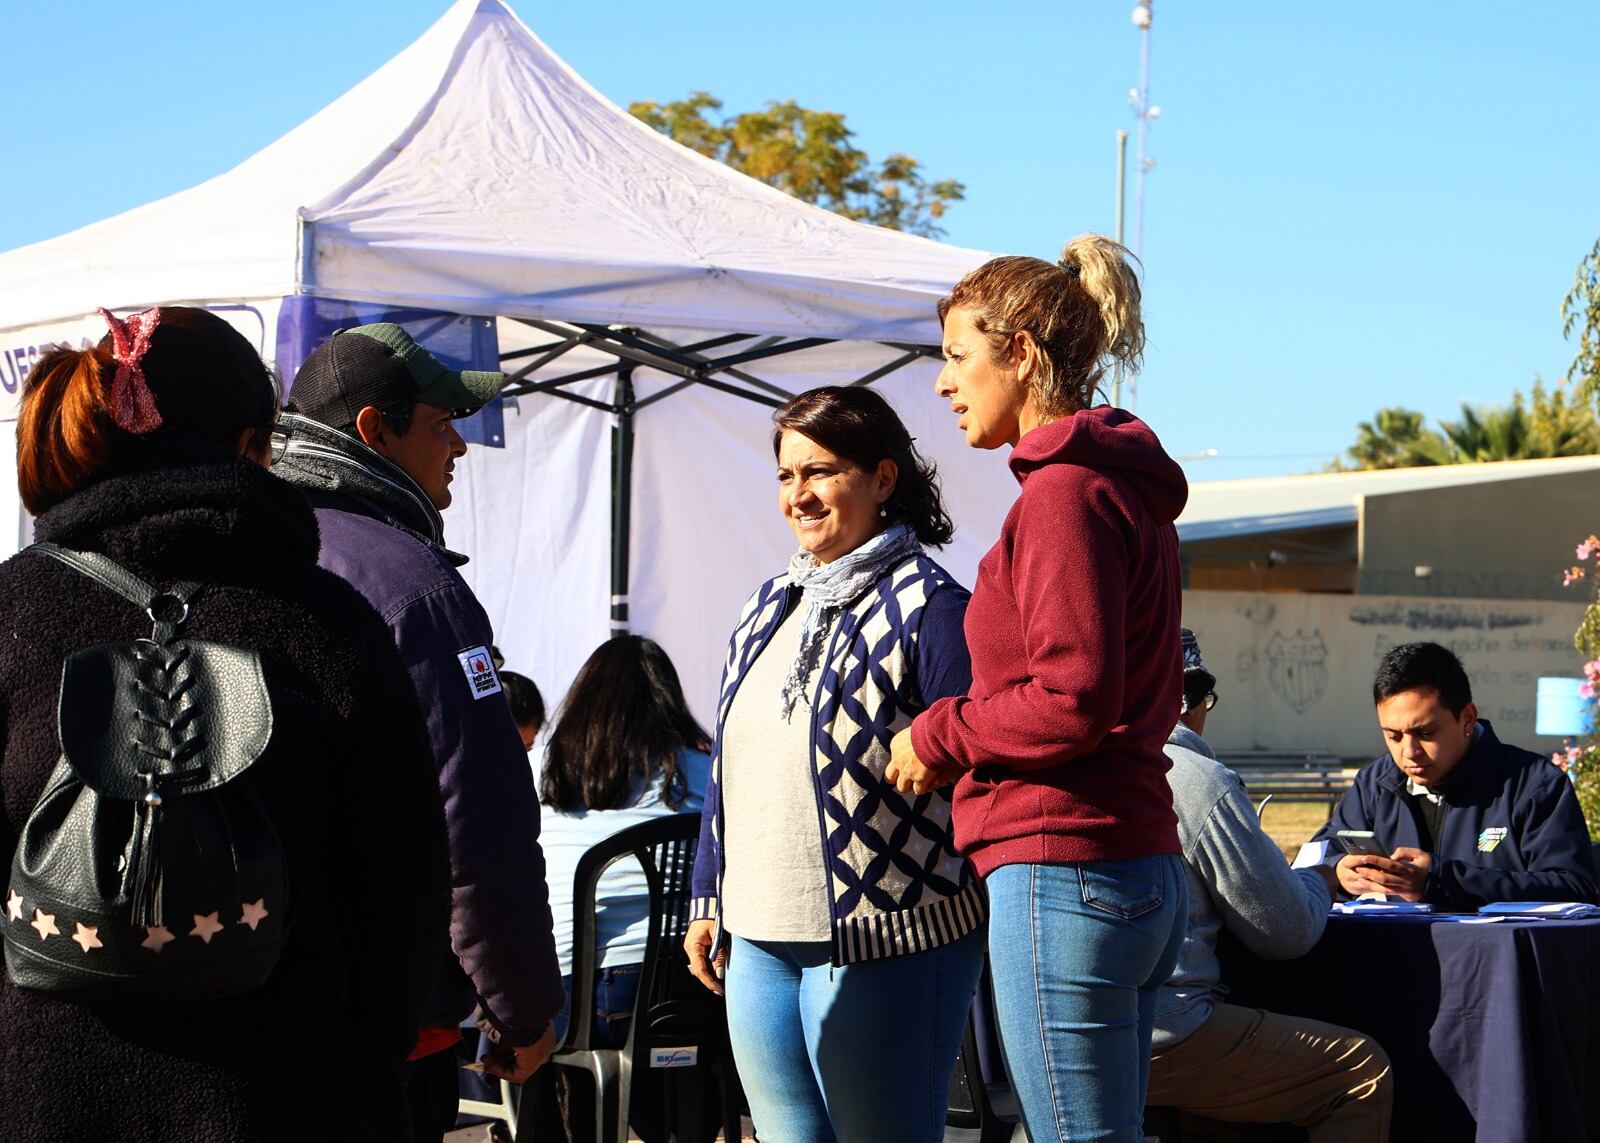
x=149 y=451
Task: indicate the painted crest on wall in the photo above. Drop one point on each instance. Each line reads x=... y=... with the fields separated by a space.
x=1297 y=668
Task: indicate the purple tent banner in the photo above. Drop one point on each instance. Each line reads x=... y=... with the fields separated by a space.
x=460 y=342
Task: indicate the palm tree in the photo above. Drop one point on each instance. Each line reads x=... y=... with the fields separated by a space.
x=1483 y=435
x=1562 y=426
x=1395 y=438
x=1546 y=423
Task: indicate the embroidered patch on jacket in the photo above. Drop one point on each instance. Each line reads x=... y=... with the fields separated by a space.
x=1490 y=838
x=479 y=669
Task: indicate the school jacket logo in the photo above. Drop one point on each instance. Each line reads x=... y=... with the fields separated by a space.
x=479 y=669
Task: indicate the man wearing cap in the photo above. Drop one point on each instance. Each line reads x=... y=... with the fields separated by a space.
x=1218 y=1060
x=371 y=440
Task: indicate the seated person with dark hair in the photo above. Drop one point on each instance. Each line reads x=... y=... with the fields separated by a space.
x=527 y=705
x=1223 y=1061
x=1467 y=818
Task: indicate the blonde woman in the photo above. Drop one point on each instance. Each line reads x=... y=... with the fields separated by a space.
x=1061 y=800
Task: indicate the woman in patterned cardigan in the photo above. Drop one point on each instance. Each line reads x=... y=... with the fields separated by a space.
x=849 y=927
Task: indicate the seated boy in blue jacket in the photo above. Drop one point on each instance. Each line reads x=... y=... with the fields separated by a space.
x=1467 y=818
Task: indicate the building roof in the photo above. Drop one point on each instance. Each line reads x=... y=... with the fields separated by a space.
x=1221 y=508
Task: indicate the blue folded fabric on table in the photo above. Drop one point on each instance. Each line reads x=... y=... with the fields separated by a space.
x=1359 y=908
x=1540 y=909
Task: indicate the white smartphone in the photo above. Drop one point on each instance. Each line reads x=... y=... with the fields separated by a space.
x=1362 y=841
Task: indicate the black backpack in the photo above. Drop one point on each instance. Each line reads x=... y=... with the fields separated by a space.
x=150 y=867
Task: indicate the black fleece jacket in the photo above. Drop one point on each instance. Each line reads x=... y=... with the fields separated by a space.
x=317 y=1051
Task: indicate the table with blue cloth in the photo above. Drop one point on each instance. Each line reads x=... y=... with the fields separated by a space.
x=1493 y=1029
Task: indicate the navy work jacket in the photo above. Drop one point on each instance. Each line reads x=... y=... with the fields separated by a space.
x=1512 y=827
x=500 y=929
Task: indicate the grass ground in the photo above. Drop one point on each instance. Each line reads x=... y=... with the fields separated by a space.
x=1290 y=823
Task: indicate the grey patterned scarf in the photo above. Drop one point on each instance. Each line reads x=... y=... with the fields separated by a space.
x=827 y=588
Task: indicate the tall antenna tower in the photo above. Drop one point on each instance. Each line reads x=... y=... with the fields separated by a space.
x=1139 y=99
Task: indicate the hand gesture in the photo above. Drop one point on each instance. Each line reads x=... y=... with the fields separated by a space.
x=907 y=773
x=697 y=944
x=518 y=1064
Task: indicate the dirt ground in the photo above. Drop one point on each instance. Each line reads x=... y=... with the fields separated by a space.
x=1288 y=823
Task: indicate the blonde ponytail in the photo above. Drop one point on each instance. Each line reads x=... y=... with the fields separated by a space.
x=1106 y=275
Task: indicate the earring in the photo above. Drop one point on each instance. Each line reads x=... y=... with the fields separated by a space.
x=883 y=513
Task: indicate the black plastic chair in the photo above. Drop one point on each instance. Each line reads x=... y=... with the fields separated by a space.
x=674 y=1018
x=971 y=1115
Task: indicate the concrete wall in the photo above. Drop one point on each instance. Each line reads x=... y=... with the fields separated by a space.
x=1507 y=539
x=1294 y=671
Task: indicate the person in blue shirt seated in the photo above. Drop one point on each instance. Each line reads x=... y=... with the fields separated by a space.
x=624 y=749
x=527 y=705
x=1466 y=818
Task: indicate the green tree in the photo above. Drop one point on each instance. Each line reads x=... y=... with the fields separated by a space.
x=1561 y=424
x=1542 y=424
x=1580 y=310
x=1486 y=435
x=1395 y=438
x=808 y=154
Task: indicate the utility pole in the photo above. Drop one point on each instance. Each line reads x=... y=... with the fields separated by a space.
x=1122 y=180
x=1122 y=202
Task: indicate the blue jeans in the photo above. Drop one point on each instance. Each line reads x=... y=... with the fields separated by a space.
x=615 y=990
x=853 y=1054
x=1077 y=954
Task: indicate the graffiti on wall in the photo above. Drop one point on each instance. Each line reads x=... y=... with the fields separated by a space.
x=1297 y=668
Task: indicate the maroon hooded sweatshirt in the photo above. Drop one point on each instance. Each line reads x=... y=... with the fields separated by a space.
x=1076 y=670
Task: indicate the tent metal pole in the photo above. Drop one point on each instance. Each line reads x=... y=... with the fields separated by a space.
x=883 y=371
x=621 y=498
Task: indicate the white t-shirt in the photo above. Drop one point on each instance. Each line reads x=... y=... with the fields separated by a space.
x=774 y=876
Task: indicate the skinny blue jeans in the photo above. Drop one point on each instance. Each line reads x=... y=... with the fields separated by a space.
x=1077 y=954
x=858 y=1054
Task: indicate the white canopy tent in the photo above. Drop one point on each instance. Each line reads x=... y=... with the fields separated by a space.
x=651 y=303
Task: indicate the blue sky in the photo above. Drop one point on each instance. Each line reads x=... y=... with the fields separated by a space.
x=1353 y=205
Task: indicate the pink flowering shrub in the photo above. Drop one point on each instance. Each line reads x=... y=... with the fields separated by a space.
x=1568 y=756
x=1581 y=760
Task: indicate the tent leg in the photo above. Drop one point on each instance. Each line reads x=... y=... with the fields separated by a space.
x=621 y=498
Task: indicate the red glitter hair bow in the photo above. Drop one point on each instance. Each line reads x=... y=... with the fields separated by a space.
x=133 y=406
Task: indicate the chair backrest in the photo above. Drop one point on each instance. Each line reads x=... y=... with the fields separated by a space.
x=981 y=1097
x=664 y=849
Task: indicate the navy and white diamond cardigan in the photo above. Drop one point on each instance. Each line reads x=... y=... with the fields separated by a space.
x=896 y=884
